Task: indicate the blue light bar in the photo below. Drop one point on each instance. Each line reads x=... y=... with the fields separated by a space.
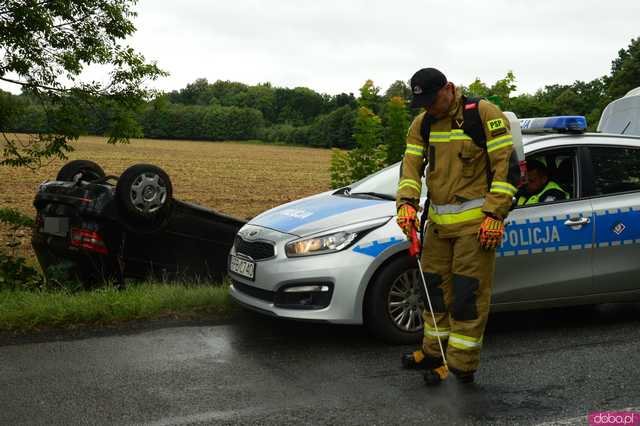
x=558 y=124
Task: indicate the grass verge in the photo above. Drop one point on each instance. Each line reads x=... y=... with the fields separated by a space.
x=25 y=311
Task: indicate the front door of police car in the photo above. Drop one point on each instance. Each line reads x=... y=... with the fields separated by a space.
x=547 y=249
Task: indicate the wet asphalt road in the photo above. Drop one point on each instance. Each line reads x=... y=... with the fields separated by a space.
x=549 y=367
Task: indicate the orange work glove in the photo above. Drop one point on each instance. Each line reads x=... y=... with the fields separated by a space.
x=491 y=233
x=407 y=219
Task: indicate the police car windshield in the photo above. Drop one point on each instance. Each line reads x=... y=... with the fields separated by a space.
x=384 y=183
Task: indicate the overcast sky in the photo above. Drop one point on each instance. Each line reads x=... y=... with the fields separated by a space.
x=333 y=46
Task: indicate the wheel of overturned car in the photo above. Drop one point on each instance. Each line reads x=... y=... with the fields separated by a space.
x=394 y=302
x=145 y=191
x=80 y=170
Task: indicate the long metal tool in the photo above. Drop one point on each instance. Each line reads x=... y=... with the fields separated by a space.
x=413 y=250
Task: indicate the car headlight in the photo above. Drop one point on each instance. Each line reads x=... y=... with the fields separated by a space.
x=329 y=243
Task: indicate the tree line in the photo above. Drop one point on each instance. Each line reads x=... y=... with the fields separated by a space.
x=226 y=110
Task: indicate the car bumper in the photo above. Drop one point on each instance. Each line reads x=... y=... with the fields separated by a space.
x=280 y=285
x=279 y=288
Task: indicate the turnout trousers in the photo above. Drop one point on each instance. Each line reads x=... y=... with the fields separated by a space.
x=459 y=277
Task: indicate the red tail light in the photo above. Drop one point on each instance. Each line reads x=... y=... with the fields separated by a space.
x=88 y=239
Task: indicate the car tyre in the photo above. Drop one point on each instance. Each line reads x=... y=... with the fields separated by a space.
x=145 y=192
x=80 y=170
x=394 y=302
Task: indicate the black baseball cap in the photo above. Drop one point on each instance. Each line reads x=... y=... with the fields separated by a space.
x=425 y=85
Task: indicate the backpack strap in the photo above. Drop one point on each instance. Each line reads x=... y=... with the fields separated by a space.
x=425 y=131
x=472 y=124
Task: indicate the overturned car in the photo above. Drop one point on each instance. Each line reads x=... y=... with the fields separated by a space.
x=97 y=228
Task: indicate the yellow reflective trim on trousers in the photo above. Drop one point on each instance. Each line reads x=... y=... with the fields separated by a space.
x=498 y=143
x=428 y=327
x=435 y=334
x=431 y=332
x=464 y=343
x=504 y=188
x=453 y=218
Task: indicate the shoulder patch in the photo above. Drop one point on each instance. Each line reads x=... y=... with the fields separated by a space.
x=498 y=132
x=496 y=124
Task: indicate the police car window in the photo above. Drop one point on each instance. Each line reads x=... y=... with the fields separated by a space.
x=560 y=165
x=384 y=182
x=615 y=169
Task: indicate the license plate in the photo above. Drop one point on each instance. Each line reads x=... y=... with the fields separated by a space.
x=242 y=267
x=58 y=226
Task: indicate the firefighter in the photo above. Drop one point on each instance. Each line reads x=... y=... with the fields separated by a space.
x=539 y=189
x=471 y=183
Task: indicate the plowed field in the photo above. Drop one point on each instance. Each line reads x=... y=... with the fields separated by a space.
x=235 y=178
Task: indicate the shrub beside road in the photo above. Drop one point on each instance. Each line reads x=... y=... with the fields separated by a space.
x=24 y=311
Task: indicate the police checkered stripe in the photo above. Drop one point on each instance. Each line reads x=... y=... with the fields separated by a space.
x=417 y=150
x=503 y=188
x=617 y=243
x=574 y=247
x=499 y=143
x=464 y=342
x=409 y=183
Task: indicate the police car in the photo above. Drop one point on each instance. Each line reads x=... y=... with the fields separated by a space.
x=340 y=257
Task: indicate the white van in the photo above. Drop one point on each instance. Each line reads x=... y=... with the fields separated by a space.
x=622 y=116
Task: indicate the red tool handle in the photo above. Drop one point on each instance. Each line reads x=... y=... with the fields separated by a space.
x=415 y=243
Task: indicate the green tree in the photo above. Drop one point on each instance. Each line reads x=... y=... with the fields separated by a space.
x=45 y=47
x=568 y=102
x=369 y=96
x=503 y=88
x=369 y=154
x=397 y=123
x=478 y=88
x=625 y=71
x=400 y=89
x=499 y=93
x=200 y=92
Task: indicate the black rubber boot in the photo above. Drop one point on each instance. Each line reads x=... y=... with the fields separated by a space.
x=463 y=377
x=435 y=376
x=417 y=360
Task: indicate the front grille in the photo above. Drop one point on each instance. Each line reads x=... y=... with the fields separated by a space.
x=257 y=250
x=258 y=293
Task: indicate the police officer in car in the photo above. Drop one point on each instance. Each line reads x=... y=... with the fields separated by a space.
x=540 y=188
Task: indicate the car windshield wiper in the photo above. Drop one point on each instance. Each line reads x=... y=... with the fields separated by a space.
x=346 y=191
x=374 y=195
